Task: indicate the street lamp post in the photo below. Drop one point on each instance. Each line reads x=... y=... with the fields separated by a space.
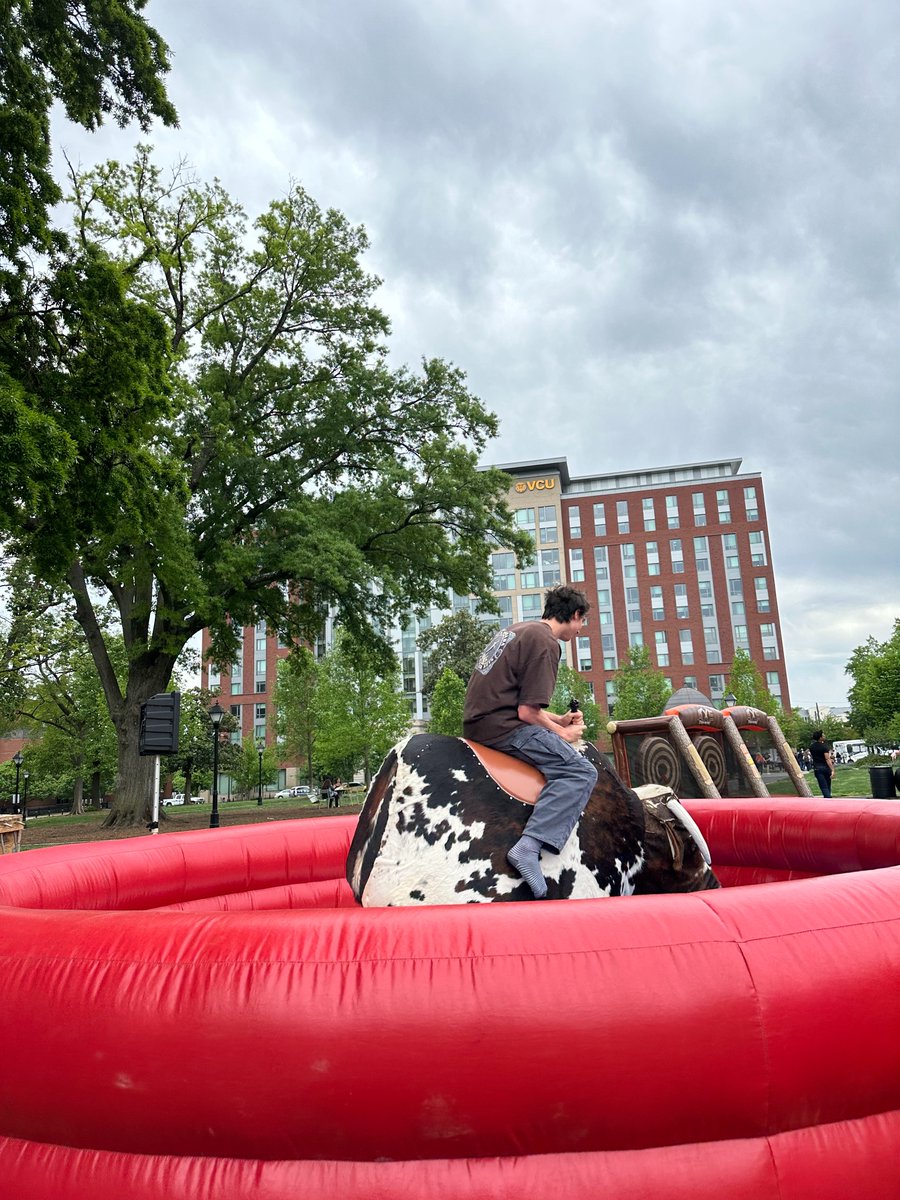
x=25 y=775
x=730 y=700
x=260 y=747
x=216 y=713
x=18 y=760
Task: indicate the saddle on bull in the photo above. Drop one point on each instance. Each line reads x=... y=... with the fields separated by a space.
x=442 y=813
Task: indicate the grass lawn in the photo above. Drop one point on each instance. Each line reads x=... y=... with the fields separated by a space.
x=847 y=781
x=88 y=826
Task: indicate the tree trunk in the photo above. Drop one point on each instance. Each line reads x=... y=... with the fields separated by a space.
x=134 y=783
x=132 y=801
x=78 y=794
x=95 y=786
x=188 y=779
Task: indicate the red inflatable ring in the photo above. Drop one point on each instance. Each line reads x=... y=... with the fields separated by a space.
x=207 y=1016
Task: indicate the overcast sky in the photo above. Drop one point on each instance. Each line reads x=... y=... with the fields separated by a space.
x=650 y=231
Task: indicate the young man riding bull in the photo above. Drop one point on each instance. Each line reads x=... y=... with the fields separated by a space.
x=506 y=707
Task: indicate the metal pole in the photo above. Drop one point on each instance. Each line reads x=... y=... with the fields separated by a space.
x=214 y=815
x=24 y=795
x=259 y=788
x=154 y=811
x=17 y=759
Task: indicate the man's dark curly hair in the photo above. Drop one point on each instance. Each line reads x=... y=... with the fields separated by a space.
x=563 y=603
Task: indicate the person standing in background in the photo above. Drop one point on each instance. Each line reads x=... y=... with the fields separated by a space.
x=822 y=763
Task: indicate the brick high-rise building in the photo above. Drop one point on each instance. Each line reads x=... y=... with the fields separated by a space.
x=676 y=558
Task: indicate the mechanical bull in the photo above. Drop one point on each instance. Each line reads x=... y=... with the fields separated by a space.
x=442 y=813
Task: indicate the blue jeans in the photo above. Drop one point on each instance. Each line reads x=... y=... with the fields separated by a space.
x=570 y=781
x=823 y=779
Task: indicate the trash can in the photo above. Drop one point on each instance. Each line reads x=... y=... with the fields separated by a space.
x=881 y=781
x=10 y=834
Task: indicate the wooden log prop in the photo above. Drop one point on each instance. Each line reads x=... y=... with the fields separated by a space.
x=788 y=760
x=744 y=757
x=679 y=736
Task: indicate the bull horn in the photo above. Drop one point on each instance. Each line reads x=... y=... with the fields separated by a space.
x=677 y=809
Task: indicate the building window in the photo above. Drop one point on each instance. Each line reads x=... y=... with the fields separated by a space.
x=507 y=583
x=236 y=734
x=608 y=641
x=576 y=566
x=635 y=639
x=584 y=654
x=699 y=508
x=601 y=566
x=690 y=681
x=740 y=636
x=770 y=652
x=672 y=512
x=681 y=601
x=628 y=549
x=750 y=504
x=773 y=683
x=605 y=617
x=735 y=587
x=547 y=520
x=599 y=521
x=532 y=607
x=630 y=571
x=677 y=554
x=716 y=685
x=634 y=616
x=656 y=604
x=506 y=611
x=737 y=608
x=550 y=567
x=574 y=521
x=603 y=597
x=701 y=554
x=757 y=548
x=649 y=514
x=705 y=588
x=622 y=516
x=609 y=664
x=525 y=518
x=723 y=504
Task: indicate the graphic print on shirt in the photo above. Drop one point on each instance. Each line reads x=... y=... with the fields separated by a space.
x=493 y=650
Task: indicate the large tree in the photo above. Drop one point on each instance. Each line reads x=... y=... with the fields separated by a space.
x=448 y=700
x=99 y=59
x=294 y=700
x=641 y=689
x=360 y=710
x=51 y=689
x=747 y=686
x=454 y=643
x=874 y=695
x=281 y=469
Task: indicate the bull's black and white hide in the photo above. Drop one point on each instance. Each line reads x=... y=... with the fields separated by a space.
x=436 y=828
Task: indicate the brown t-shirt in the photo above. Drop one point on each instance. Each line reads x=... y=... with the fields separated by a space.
x=519 y=666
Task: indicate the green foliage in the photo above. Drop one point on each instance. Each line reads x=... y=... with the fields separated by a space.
x=245 y=769
x=99 y=61
x=245 y=451
x=747 y=685
x=360 y=711
x=641 y=689
x=568 y=684
x=448 y=699
x=52 y=690
x=294 y=700
x=453 y=644
x=875 y=694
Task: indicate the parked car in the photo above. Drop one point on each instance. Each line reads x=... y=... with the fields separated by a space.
x=175 y=799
